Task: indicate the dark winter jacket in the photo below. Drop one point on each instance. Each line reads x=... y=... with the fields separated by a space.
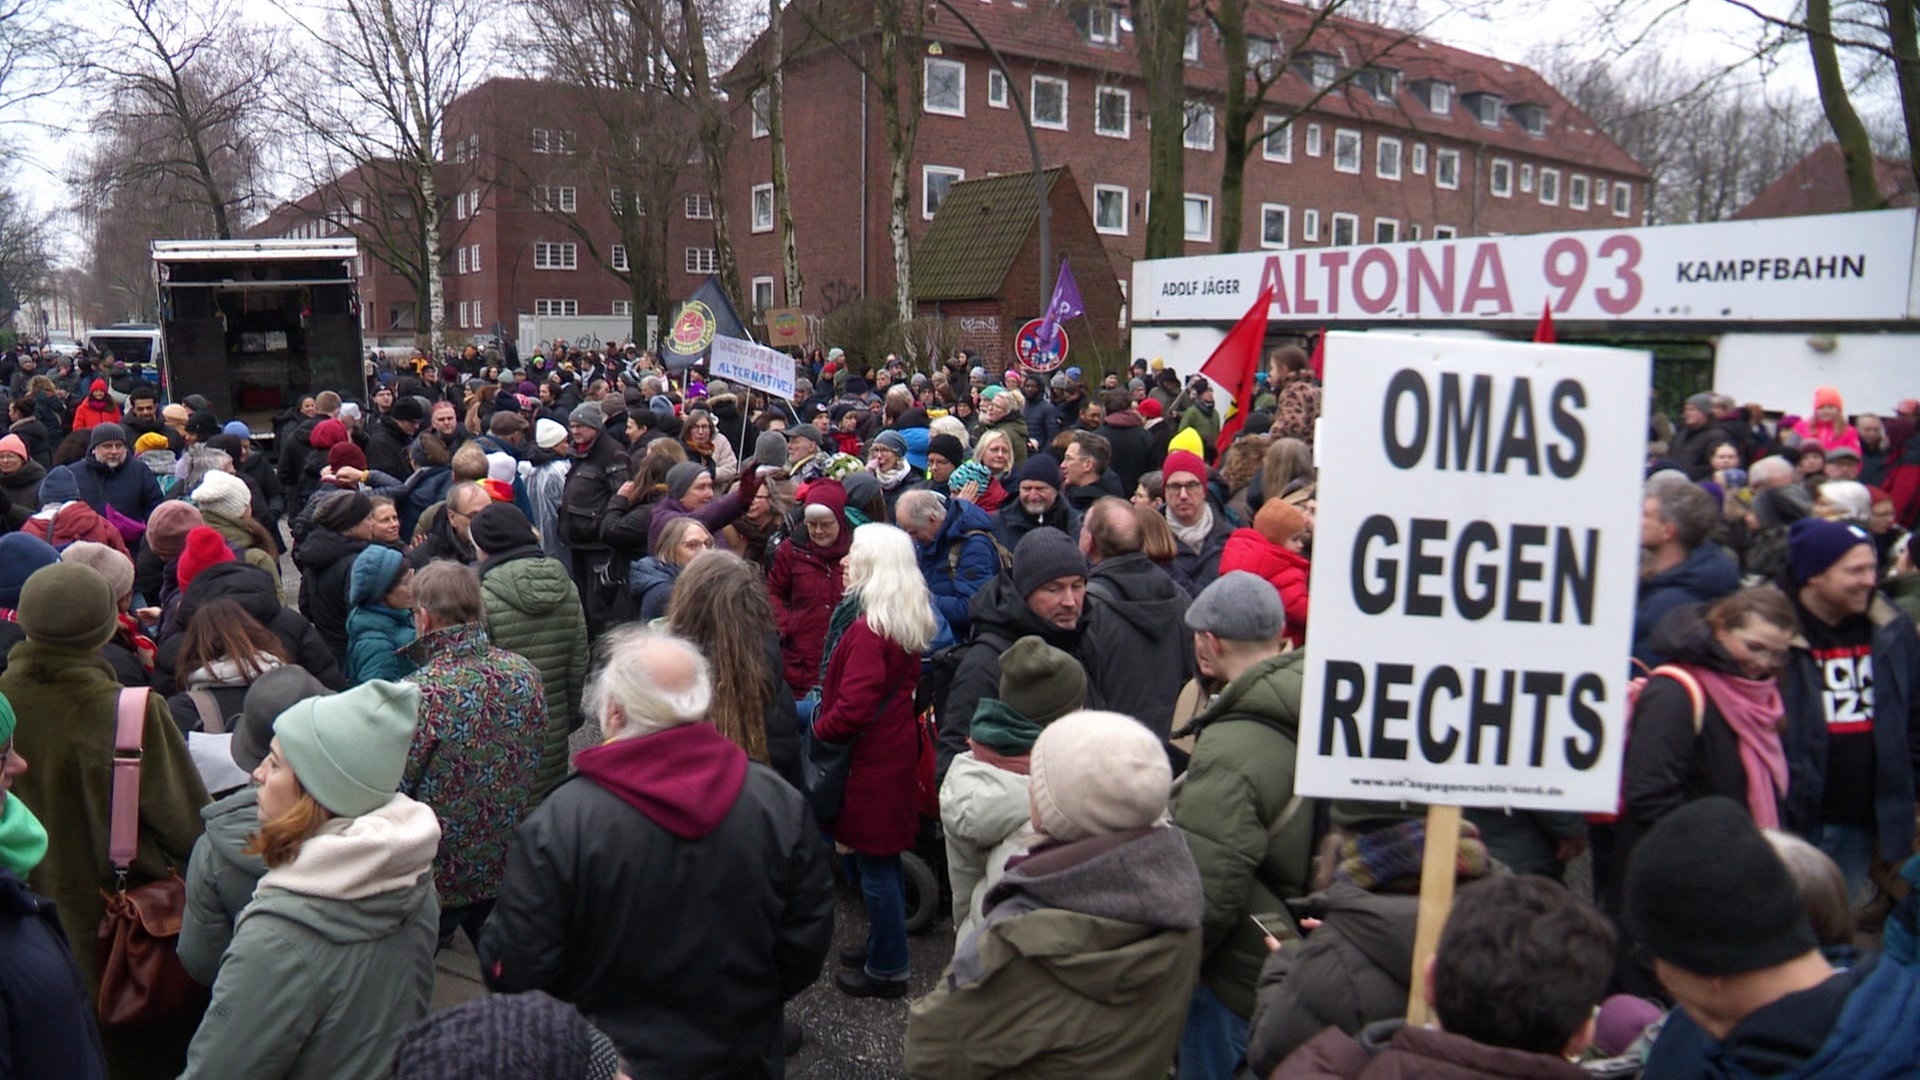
x=254 y=591
x=1012 y=521
x=1392 y=1050
x=1000 y=617
x=591 y=482
x=1139 y=650
x=325 y=559
x=1692 y=448
x=1043 y=423
x=22 y=486
x=441 y=542
x=651 y=581
x=129 y=487
x=534 y=609
x=46 y=1016
x=39 y=442
x=1707 y=573
x=867 y=699
x=805 y=583
x=1349 y=973
x=1131 y=448
x=387 y=447
x=954 y=580
x=1199 y=566
x=725 y=893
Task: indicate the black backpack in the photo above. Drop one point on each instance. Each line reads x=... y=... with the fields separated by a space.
x=936 y=676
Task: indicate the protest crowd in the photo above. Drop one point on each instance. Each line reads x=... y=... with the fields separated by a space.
x=625 y=674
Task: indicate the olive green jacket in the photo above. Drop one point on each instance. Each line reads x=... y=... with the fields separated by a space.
x=534 y=609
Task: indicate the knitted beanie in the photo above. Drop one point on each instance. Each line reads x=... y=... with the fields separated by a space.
x=1238 y=606
x=969 y=472
x=238 y=429
x=1827 y=395
x=526 y=1036
x=1708 y=894
x=345 y=455
x=68 y=605
x=548 y=433
x=1040 y=468
x=1184 y=461
x=1814 y=545
x=375 y=570
x=205 y=547
x=15 y=445
x=589 y=414
x=20 y=555
x=204 y=425
x=1095 y=773
x=1046 y=554
x=270 y=695
x=501 y=527
x=105 y=433
x=226 y=494
x=1150 y=408
x=152 y=440
x=1040 y=682
x=326 y=434
x=112 y=565
x=169 y=524
x=681 y=478
x=349 y=750
x=948 y=447
x=770 y=450
x=1279 y=521
x=1189 y=440
x=893 y=441
x=59 y=486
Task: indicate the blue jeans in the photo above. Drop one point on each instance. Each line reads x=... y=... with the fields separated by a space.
x=1214 y=1042
x=886 y=901
x=1853 y=848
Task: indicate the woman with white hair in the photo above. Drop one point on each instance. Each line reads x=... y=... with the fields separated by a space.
x=874 y=641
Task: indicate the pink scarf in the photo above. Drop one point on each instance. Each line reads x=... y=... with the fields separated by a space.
x=1752 y=708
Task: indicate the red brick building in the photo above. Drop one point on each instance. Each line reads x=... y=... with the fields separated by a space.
x=1425 y=140
x=1818 y=185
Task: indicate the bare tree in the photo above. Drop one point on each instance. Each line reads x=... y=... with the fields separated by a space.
x=33 y=45
x=26 y=245
x=1160 y=30
x=373 y=103
x=776 y=91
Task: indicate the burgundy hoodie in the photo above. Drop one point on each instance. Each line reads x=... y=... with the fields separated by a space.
x=684 y=779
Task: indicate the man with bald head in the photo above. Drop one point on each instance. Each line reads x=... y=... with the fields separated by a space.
x=1143 y=653
x=451 y=534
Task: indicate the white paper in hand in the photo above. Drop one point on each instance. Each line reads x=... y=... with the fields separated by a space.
x=213 y=756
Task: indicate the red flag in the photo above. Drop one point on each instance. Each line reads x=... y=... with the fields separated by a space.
x=1235 y=363
x=1543 y=333
x=1318 y=361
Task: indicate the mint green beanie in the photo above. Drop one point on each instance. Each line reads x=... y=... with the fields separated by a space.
x=348 y=750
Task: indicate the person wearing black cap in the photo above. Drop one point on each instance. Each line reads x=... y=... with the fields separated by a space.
x=109 y=476
x=1853 y=712
x=1039 y=503
x=1730 y=939
x=392 y=431
x=342 y=528
x=599 y=468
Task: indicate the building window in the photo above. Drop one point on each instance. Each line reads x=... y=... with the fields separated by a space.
x=1276 y=143
x=1386 y=158
x=1110 y=209
x=473 y=202
x=556 y=307
x=1103 y=25
x=1419 y=159
x=1526 y=179
x=1500 y=178
x=618 y=204
x=945 y=83
x=1386 y=231
x=1577 y=195
x=1310 y=226
x=934 y=182
x=1113 y=112
x=1346 y=230
x=1439 y=98
x=623 y=308
x=479 y=323
x=542 y=141
x=473 y=147
x=1049 y=102
x=548 y=256
x=473 y=258
x=1273 y=225
x=762 y=294
x=1378 y=83
x=763 y=208
x=1263 y=58
x=1414 y=231
x=1346 y=150
x=1444 y=232
x=1199 y=218
x=699 y=208
x=1313 y=140
x=460 y=207
x=463 y=314
x=1318 y=69
x=761 y=102
x=1550 y=186
x=1531 y=118
x=563 y=199
x=702 y=260
x=1190 y=52
x=1600 y=192
x=1484 y=107
x=462 y=260
x=1622 y=199
x=617 y=258
x=1198 y=133
x=359 y=266
x=996 y=89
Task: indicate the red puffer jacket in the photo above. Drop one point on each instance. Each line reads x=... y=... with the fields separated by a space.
x=867 y=699
x=1284 y=568
x=804 y=583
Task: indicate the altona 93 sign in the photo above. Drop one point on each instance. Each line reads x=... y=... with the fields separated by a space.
x=1475 y=563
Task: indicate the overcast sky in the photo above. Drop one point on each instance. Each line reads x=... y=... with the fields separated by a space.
x=41 y=145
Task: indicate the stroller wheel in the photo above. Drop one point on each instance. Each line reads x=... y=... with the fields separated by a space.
x=922 y=892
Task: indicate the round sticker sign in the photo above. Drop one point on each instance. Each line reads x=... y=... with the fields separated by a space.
x=692 y=329
x=1036 y=355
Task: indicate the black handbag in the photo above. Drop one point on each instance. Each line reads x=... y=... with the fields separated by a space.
x=824 y=767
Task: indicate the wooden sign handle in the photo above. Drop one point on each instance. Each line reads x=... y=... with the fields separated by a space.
x=1437 y=864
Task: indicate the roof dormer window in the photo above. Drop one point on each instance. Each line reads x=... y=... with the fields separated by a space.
x=1531 y=118
x=1318 y=69
x=1378 y=83
x=1484 y=107
x=1437 y=96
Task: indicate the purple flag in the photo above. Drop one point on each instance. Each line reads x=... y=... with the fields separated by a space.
x=1064 y=305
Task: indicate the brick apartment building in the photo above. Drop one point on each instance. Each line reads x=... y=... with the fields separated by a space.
x=1426 y=141
x=1817 y=184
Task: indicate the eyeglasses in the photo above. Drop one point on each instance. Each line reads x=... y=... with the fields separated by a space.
x=1186 y=487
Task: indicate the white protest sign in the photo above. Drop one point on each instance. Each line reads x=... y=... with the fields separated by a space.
x=741 y=361
x=1475 y=564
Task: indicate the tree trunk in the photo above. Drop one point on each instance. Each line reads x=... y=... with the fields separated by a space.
x=777 y=137
x=1236 y=124
x=715 y=134
x=901 y=112
x=1906 y=73
x=1856 y=149
x=423 y=139
x=1160 y=34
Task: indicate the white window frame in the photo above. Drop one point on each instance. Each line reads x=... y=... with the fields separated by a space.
x=617 y=203
x=1333 y=229
x=463 y=314
x=1309 y=226
x=997 y=89
x=461 y=259
x=927 y=173
x=473 y=203
x=759 y=222
x=1278 y=131
x=1440 y=98
x=1104 y=93
x=1495 y=169
x=1526 y=179
x=1600 y=192
x=959 y=69
x=553 y=255
x=556 y=306
x=1419 y=159
x=1033 y=102
x=460 y=207
x=758 y=106
x=1124 y=198
x=1314 y=142
x=1445 y=232
x=1190 y=48
x=1388 y=149
x=1196 y=120
x=1550 y=178
x=1263 y=57
x=479 y=321
x=473 y=258
x=698 y=207
x=753 y=294
x=1392 y=225
x=1286 y=225
x=542 y=141
x=1579 y=191
x=1359 y=144
x=569 y=199
x=1096 y=34
x=565 y=140
x=622 y=307
x=617 y=258
x=1622 y=199
x=701 y=260
x=1205 y=202
x=1441 y=157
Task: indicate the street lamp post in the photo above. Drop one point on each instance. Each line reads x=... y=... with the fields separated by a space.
x=1033 y=146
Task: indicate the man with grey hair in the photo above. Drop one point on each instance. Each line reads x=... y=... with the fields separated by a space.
x=451 y=534
x=672 y=890
x=958 y=551
x=1679 y=564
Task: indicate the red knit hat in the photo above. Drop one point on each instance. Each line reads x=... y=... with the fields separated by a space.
x=1150 y=408
x=205 y=547
x=345 y=454
x=1183 y=461
x=326 y=433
